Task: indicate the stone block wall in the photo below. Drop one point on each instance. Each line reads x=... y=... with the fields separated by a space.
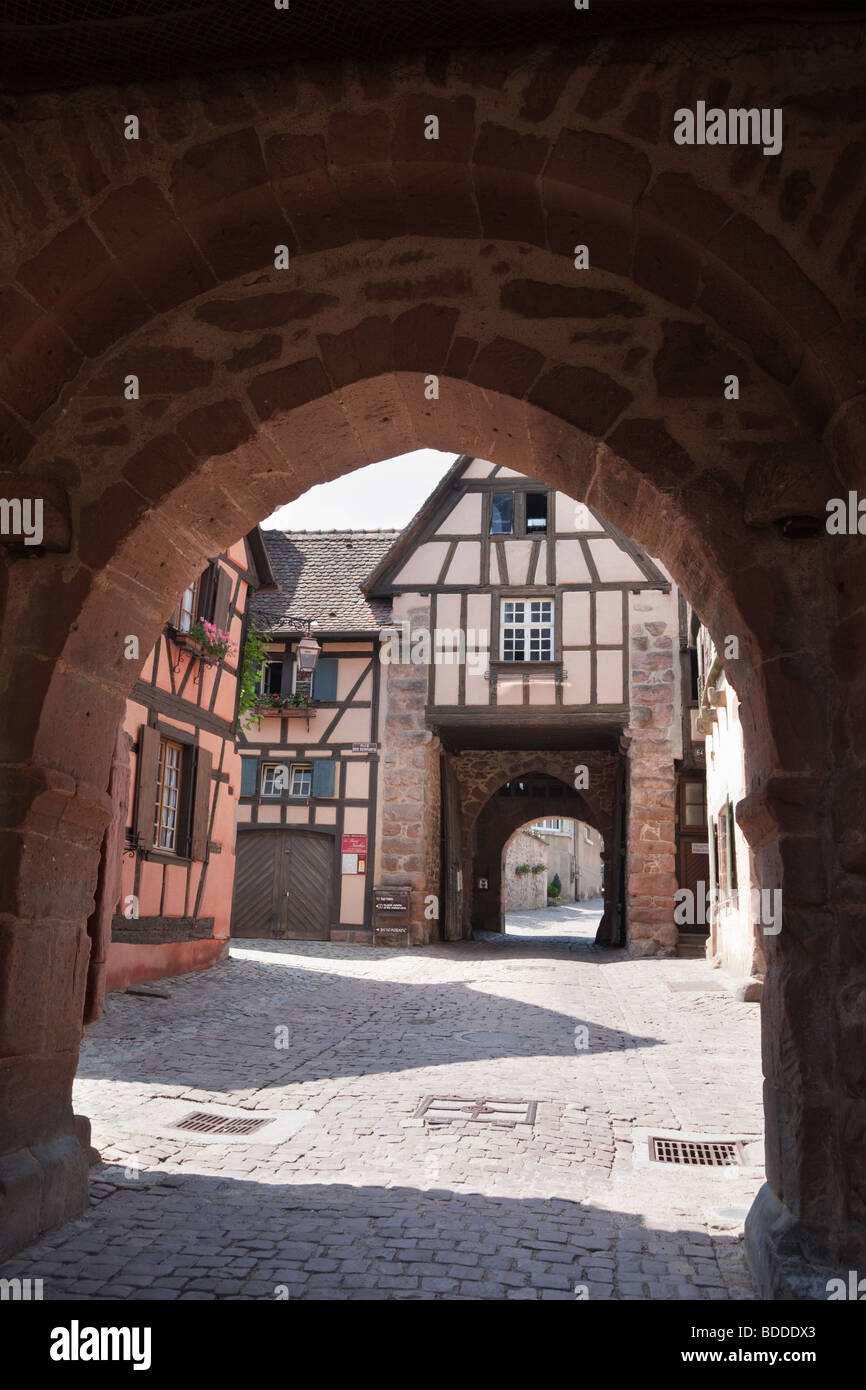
x=408 y=849
x=654 y=736
x=521 y=892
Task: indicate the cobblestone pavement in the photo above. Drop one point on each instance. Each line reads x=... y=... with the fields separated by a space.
x=366 y=1201
x=570 y=921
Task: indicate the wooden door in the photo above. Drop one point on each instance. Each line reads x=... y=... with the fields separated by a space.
x=283 y=885
x=255 y=907
x=694 y=874
x=305 y=886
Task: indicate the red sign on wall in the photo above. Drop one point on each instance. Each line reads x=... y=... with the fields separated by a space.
x=355 y=844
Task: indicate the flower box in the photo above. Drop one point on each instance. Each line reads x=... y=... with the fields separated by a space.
x=283 y=711
x=194 y=648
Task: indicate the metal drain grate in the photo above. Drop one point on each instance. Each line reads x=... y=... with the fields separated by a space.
x=442 y=1109
x=696 y=1153
x=220 y=1124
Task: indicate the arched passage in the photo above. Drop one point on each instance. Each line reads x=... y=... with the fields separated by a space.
x=411 y=260
x=529 y=795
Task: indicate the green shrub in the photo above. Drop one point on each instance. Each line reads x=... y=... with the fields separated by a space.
x=554 y=888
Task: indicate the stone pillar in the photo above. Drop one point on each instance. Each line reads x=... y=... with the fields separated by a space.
x=650 y=878
x=808 y=1222
x=409 y=841
x=110 y=880
x=53 y=826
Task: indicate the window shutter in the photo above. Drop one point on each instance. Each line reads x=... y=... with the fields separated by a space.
x=223 y=598
x=206 y=594
x=325 y=678
x=286 y=676
x=323 y=777
x=201 y=805
x=249 y=776
x=713 y=855
x=145 y=796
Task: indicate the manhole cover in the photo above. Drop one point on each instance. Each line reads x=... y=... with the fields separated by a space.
x=203 y=1123
x=442 y=1109
x=696 y=1153
x=494 y=1039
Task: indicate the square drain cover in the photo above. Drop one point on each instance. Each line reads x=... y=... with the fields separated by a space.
x=204 y=1123
x=441 y=1109
x=696 y=1153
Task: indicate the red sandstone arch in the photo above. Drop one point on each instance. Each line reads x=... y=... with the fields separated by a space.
x=451 y=258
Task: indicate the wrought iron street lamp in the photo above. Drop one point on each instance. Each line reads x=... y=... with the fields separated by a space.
x=308 y=649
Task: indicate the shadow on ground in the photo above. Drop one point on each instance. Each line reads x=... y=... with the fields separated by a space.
x=187 y=1237
x=218 y=1034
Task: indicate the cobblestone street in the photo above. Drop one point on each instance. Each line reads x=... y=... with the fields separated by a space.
x=362 y=1199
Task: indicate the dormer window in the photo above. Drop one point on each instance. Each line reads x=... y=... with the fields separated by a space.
x=502 y=514
x=518 y=513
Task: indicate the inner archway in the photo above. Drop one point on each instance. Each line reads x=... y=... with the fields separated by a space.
x=432 y=298
x=525 y=799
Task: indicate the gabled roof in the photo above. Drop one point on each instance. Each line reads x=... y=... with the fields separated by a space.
x=380 y=579
x=257 y=562
x=411 y=534
x=318 y=576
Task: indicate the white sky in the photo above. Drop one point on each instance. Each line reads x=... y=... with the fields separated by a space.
x=383 y=495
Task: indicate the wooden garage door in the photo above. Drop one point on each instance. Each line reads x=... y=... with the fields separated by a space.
x=255 y=906
x=308 y=875
x=283 y=885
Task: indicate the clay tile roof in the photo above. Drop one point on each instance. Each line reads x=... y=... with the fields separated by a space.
x=318 y=576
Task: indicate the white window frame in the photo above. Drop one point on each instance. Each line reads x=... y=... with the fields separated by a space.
x=268 y=787
x=586 y=835
x=169 y=790
x=268 y=661
x=185 y=615
x=295 y=770
x=537 y=624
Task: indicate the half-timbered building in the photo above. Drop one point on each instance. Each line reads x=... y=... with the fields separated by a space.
x=306 y=818
x=177 y=777
x=508 y=657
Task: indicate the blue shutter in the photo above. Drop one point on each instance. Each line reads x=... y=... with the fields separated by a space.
x=325 y=678
x=249 y=776
x=323 y=776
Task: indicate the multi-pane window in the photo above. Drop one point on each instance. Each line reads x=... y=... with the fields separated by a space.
x=553 y=825
x=694 y=803
x=301 y=783
x=502 y=514
x=586 y=835
x=168 y=786
x=272 y=677
x=275 y=779
x=527 y=629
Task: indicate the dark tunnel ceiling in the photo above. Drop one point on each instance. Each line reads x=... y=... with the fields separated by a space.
x=67 y=43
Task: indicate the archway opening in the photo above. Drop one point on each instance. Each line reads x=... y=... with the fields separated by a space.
x=552 y=880
x=252 y=388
